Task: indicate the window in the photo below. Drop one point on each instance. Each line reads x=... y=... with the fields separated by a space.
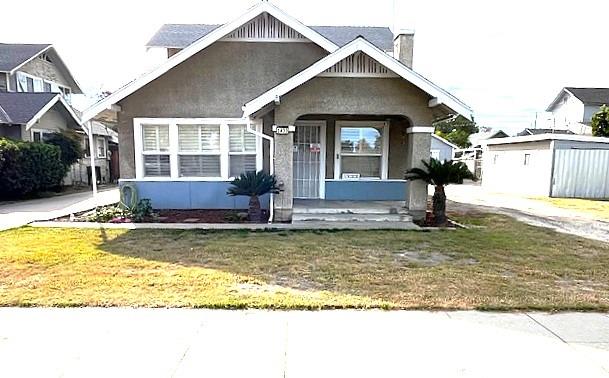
x=435 y=154
x=101 y=148
x=29 y=84
x=362 y=150
x=47 y=86
x=527 y=159
x=495 y=158
x=242 y=150
x=155 y=146
x=199 y=150
x=37 y=136
x=40 y=135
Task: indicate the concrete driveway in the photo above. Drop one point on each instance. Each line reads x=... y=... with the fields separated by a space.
x=20 y=213
x=93 y=342
x=538 y=213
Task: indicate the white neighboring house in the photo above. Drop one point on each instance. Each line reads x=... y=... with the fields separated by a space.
x=573 y=108
x=441 y=149
x=473 y=155
x=554 y=165
x=105 y=143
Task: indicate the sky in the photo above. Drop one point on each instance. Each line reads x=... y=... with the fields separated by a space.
x=505 y=59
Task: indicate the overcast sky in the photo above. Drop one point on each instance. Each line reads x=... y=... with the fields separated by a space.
x=506 y=59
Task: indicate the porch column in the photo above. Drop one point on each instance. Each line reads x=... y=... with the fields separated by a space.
x=283 y=171
x=419 y=145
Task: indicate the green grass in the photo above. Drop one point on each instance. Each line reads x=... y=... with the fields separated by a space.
x=500 y=264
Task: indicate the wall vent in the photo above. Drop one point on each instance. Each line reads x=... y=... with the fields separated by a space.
x=265 y=28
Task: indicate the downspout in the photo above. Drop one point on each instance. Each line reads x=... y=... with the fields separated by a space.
x=89 y=128
x=553 y=163
x=271 y=160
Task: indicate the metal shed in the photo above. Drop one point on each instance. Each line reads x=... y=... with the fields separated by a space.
x=554 y=165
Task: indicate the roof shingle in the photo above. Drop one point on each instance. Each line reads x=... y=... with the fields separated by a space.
x=591 y=96
x=21 y=107
x=12 y=55
x=182 y=35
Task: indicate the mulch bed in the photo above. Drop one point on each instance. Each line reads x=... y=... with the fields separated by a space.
x=203 y=216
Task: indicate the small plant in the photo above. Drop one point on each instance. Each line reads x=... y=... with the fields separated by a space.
x=141 y=211
x=254 y=185
x=439 y=174
x=105 y=214
x=600 y=122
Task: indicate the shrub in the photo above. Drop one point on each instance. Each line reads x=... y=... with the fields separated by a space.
x=600 y=122
x=27 y=168
x=142 y=210
x=69 y=145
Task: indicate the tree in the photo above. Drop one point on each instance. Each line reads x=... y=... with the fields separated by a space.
x=600 y=122
x=439 y=174
x=254 y=185
x=69 y=144
x=456 y=130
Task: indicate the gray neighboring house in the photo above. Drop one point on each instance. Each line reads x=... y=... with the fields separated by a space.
x=536 y=131
x=336 y=113
x=441 y=149
x=35 y=95
x=573 y=108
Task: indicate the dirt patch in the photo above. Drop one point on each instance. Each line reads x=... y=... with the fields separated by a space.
x=204 y=216
x=431 y=258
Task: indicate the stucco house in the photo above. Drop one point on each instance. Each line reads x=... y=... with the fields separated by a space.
x=336 y=113
x=36 y=88
x=573 y=108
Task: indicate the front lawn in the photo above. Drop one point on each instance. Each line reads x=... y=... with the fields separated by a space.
x=499 y=264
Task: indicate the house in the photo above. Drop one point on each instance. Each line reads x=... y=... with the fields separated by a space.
x=105 y=155
x=573 y=108
x=35 y=95
x=336 y=113
x=536 y=131
x=553 y=164
x=478 y=140
x=441 y=149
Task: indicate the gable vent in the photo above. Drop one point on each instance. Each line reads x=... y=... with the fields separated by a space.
x=358 y=65
x=265 y=28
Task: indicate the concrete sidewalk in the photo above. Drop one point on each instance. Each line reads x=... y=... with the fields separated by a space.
x=92 y=342
x=20 y=213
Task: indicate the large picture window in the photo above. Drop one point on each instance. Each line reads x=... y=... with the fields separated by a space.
x=361 y=151
x=207 y=149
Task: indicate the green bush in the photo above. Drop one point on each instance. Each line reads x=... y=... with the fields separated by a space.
x=142 y=210
x=27 y=168
x=69 y=144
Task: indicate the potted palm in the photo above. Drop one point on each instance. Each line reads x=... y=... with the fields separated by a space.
x=253 y=184
x=439 y=174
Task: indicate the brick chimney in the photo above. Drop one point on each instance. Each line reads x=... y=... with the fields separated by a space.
x=403 y=45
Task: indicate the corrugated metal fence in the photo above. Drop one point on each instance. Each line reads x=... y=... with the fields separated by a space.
x=581 y=174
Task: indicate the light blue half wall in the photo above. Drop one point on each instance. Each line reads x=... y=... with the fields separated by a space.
x=191 y=195
x=371 y=190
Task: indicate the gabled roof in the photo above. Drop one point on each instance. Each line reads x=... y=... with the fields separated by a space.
x=439 y=138
x=204 y=42
x=529 y=131
x=476 y=138
x=359 y=44
x=182 y=35
x=14 y=55
x=25 y=108
x=589 y=96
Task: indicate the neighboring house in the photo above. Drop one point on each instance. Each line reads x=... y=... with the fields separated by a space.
x=105 y=147
x=441 y=149
x=35 y=94
x=479 y=140
x=555 y=165
x=529 y=131
x=328 y=110
x=573 y=108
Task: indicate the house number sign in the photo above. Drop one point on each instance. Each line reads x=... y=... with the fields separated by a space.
x=283 y=130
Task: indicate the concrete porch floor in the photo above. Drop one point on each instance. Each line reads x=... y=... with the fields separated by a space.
x=350 y=211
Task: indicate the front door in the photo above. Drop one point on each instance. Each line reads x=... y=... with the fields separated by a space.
x=309 y=159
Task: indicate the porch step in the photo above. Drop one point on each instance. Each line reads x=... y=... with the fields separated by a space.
x=351 y=217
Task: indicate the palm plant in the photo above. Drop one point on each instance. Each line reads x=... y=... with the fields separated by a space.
x=254 y=185
x=439 y=174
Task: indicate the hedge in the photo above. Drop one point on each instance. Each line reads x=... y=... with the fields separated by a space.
x=27 y=168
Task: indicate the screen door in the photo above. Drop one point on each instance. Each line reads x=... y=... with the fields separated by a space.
x=309 y=159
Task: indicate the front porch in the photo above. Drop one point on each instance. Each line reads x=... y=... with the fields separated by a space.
x=349 y=211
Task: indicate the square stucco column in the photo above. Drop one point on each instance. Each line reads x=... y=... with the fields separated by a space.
x=284 y=201
x=419 y=145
